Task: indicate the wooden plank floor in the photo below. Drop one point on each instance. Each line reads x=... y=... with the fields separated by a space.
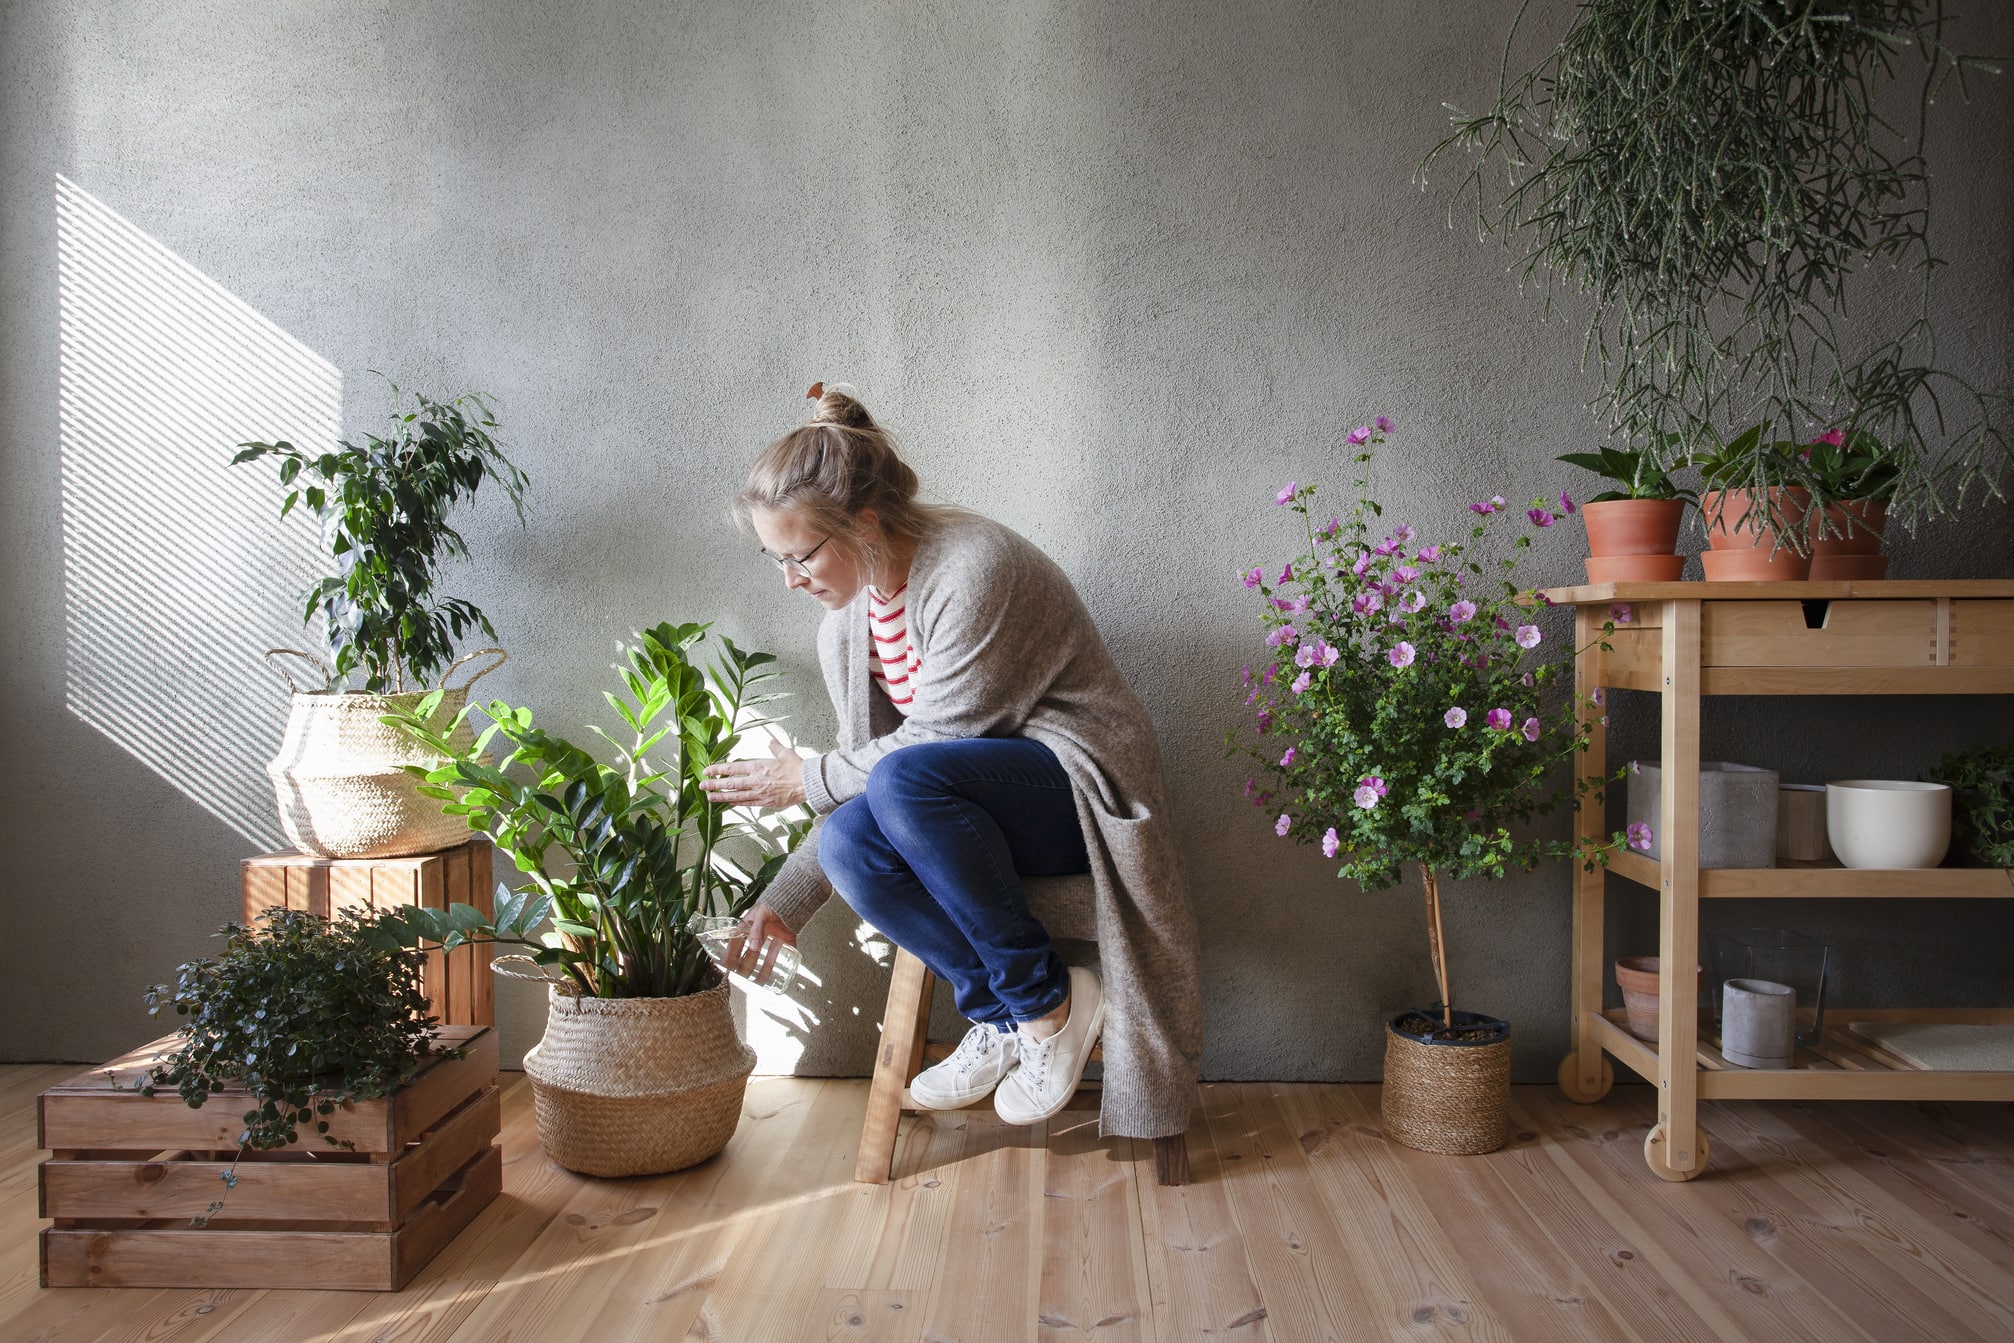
x=1836 y=1222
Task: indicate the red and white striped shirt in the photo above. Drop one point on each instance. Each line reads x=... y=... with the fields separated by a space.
x=892 y=657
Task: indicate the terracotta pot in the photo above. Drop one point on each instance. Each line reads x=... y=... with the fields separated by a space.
x=1635 y=568
x=1636 y=976
x=1854 y=551
x=1748 y=555
x=1633 y=526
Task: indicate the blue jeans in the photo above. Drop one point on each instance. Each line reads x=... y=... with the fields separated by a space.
x=932 y=855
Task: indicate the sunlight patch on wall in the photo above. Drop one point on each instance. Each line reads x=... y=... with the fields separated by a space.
x=177 y=576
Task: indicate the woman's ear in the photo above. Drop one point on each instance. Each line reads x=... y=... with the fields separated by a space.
x=870 y=522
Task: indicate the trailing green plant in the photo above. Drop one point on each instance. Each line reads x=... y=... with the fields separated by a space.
x=1636 y=473
x=1982 y=784
x=306 y=1013
x=621 y=857
x=1405 y=715
x=1706 y=181
x=384 y=510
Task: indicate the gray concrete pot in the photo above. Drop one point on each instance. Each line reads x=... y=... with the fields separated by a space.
x=1737 y=812
x=1758 y=1023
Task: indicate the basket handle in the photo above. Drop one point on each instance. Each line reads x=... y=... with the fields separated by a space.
x=328 y=677
x=507 y=966
x=501 y=658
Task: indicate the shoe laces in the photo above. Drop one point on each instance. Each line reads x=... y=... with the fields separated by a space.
x=1035 y=1056
x=976 y=1048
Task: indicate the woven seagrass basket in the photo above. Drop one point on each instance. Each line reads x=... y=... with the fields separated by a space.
x=1452 y=1094
x=339 y=777
x=637 y=1086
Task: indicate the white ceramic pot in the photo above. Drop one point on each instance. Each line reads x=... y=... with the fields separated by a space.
x=1888 y=823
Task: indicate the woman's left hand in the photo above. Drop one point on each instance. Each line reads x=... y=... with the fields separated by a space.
x=775 y=782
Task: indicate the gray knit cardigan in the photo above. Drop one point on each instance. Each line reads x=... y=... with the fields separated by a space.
x=1008 y=650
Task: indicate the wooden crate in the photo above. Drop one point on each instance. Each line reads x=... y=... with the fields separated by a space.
x=127 y=1172
x=459 y=984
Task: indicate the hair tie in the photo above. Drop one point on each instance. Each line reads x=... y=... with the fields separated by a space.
x=816 y=393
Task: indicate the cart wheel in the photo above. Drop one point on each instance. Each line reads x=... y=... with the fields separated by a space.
x=1570 y=1080
x=1654 y=1152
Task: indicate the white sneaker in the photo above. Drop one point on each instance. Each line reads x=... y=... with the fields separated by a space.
x=1051 y=1069
x=982 y=1058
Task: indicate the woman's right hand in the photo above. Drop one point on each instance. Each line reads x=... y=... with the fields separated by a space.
x=760 y=929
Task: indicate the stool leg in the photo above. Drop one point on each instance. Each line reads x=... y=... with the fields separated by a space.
x=905 y=1023
x=1171 y=1159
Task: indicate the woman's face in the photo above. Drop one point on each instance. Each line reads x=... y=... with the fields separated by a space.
x=823 y=565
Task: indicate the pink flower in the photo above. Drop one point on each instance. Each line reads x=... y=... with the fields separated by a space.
x=1360 y=435
x=1285 y=634
x=1326 y=652
x=1302 y=682
x=1368 y=601
x=1620 y=613
x=1566 y=503
x=1391 y=545
x=1251 y=786
x=1297 y=605
x=1404 y=533
x=1497 y=501
x=1281 y=826
x=1412 y=601
x=1402 y=654
x=1288 y=758
x=1429 y=555
x=1528 y=680
x=1266 y=676
x=1334 y=529
x=1530 y=729
x=1539 y=517
x=1635 y=767
x=1599 y=696
x=1363 y=564
x=1265 y=720
x=1286 y=495
x=1640 y=836
x=1384 y=425
x=1527 y=636
x=1456 y=717
x=1366 y=795
x=1831 y=438
x=1286 y=574
x=1304 y=656
x=1254 y=577
x=1404 y=574
x=1330 y=844
x=1499 y=719
x=1484 y=508
x=1462 y=611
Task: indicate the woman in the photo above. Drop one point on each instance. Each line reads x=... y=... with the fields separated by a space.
x=984 y=734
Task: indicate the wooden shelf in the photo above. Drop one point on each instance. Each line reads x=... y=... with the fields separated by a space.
x=1587 y=594
x=1841 y=1066
x=1828 y=881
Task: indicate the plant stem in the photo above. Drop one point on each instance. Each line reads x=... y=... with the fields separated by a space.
x=1436 y=943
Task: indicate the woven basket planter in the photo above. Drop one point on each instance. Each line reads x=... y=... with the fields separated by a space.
x=637 y=1086
x=1448 y=1095
x=340 y=779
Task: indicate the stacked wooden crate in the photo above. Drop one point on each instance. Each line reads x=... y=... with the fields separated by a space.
x=128 y=1174
x=459 y=983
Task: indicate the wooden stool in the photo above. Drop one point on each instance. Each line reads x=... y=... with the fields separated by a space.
x=1064 y=906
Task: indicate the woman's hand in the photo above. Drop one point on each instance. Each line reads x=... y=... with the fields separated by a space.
x=775 y=782
x=761 y=932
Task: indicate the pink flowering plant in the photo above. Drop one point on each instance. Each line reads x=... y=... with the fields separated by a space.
x=1408 y=712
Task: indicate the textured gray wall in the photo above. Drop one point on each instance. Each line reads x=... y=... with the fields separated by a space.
x=1114 y=271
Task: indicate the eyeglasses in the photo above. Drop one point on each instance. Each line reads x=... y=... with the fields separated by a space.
x=795 y=564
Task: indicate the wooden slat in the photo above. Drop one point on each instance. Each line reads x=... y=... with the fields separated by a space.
x=1678 y=898
x=986 y=1289
x=1859 y=680
x=1829 y=881
x=1603 y=594
x=1093 y=1274
x=1982 y=633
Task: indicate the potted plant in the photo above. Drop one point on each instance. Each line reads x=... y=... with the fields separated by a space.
x=1632 y=530
x=640 y=1070
x=1854 y=475
x=308 y=1014
x=1706 y=182
x=1755 y=533
x=1406 y=717
x=339 y=775
x=1982 y=786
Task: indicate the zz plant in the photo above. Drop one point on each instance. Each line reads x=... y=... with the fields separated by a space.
x=621 y=857
x=1706 y=183
x=384 y=509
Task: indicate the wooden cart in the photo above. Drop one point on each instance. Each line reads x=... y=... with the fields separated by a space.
x=1685 y=641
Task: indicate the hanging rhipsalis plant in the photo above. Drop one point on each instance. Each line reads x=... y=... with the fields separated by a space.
x=1407 y=712
x=384 y=510
x=1707 y=182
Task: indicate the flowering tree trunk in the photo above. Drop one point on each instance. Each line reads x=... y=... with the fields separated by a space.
x=1435 y=942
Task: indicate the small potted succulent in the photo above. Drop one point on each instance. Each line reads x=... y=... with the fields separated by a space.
x=1632 y=529
x=384 y=504
x=1853 y=475
x=641 y=1070
x=1405 y=717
